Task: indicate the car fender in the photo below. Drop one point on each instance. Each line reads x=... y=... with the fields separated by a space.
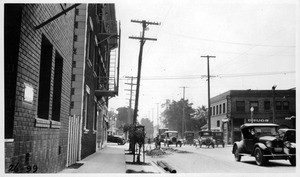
x=238 y=145
x=261 y=146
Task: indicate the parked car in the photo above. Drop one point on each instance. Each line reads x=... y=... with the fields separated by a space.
x=219 y=138
x=262 y=141
x=206 y=138
x=188 y=137
x=287 y=135
x=171 y=137
x=116 y=139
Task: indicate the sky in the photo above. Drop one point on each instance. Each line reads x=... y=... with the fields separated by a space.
x=254 y=44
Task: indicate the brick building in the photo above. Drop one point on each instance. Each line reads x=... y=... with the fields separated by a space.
x=94 y=76
x=60 y=70
x=231 y=109
x=38 y=67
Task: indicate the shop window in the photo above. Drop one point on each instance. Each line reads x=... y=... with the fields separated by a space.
x=240 y=106
x=45 y=79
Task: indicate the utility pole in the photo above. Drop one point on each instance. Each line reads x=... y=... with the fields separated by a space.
x=183 y=113
x=142 y=42
x=157 y=117
x=208 y=82
x=130 y=98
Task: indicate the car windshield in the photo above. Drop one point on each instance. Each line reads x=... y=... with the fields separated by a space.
x=170 y=134
x=206 y=134
x=265 y=131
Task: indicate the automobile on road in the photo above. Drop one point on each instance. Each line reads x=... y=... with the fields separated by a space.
x=262 y=141
x=171 y=137
x=219 y=138
x=188 y=137
x=116 y=139
x=206 y=138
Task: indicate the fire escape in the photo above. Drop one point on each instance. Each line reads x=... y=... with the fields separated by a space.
x=110 y=38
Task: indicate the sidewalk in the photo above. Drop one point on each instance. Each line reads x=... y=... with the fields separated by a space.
x=108 y=160
x=112 y=159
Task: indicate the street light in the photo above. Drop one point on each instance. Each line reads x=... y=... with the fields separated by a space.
x=252 y=109
x=273 y=90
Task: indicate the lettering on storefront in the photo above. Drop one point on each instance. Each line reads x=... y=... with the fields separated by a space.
x=258 y=120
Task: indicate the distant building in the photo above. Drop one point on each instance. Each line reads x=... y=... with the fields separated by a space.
x=231 y=109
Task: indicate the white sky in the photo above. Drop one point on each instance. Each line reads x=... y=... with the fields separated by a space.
x=253 y=38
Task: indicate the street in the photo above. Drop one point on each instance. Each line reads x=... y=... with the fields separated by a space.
x=218 y=160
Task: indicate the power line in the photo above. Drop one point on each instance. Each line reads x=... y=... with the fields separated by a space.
x=227 y=42
x=218 y=76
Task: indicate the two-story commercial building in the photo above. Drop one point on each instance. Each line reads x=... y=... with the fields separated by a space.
x=231 y=109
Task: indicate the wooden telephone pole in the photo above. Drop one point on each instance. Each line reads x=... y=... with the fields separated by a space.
x=142 y=42
x=208 y=82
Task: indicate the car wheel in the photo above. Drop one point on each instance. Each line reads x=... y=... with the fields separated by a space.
x=293 y=161
x=259 y=158
x=237 y=155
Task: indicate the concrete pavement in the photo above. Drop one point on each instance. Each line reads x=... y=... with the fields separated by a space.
x=112 y=159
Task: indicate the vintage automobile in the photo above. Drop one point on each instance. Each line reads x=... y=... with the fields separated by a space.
x=161 y=134
x=261 y=140
x=171 y=137
x=116 y=139
x=188 y=138
x=219 y=138
x=287 y=135
x=206 y=138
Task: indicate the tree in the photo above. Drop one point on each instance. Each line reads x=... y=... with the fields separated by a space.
x=148 y=126
x=124 y=116
x=173 y=114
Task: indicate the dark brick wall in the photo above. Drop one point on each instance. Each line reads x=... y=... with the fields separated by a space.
x=45 y=147
x=89 y=139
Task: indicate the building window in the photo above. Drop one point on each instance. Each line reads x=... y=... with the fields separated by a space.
x=278 y=105
x=223 y=107
x=86 y=108
x=45 y=79
x=217 y=110
x=210 y=111
x=214 y=110
x=240 y=106
x=267 y=105
x=254 y=104
x=220 y=108
x=95 y=117
x=218 y=123
x=56 y=103
x=89 y=47
x=285 y=105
